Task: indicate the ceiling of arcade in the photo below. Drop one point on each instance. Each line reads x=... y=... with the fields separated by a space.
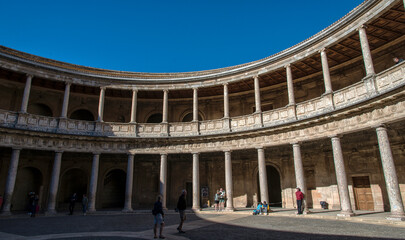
x=381 y=31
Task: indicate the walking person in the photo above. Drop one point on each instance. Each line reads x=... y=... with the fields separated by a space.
x=72 y=202
x=159 y=218
x=181 y=206
x=85 y=201
x=300 y=196
x=216 y=200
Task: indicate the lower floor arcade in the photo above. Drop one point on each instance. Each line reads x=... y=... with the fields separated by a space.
x=358 y=171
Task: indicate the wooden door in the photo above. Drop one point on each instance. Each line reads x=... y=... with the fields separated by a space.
x=363 y=194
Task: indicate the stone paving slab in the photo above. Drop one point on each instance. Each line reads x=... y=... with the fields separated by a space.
x=203 y=225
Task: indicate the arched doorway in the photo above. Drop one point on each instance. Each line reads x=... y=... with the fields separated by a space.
x=73 y=181
x=29 y=179
x=274 y=186
x=114 y=189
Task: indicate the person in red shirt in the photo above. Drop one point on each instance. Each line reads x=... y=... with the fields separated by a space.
x=300 y=196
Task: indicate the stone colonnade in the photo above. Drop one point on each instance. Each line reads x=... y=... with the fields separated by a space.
x=391 y=180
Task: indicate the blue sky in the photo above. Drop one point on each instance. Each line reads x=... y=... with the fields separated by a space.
x=163 y=36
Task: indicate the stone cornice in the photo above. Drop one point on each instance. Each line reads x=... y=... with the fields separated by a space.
x=340 y=29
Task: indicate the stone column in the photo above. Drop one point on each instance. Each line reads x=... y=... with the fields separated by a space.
x=346 y=207
x=390 y=174
x=228 y=181
x=195 y=104
x=129 y=184
x=165 y=106
x=257 y=95
x=26 y=96
x=134 y=105
x=163 y=178
x=325 y=70
x=196 y=182
x=101 y=104
x=299 y=174
x=264 y=192
x=66 y=100
x=54 y=185
x=93 y=182
x=365 y=48
x=290 y=86
x=226 y=101
x=10 y=182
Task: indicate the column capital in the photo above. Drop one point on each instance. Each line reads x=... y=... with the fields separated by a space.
x=195 y=153
x=363 y=26
x=227 y=150
x=195 y=88
x=287 y=65
x=258 y=148
x=131 y=154
x=225 y=84
x=165 y=90
x=135 y=90
x=103 y=88
x=335 y=136
x=59 y=151
x=68 y=83
x=96 y=153
x=381 y=127
x=296 y=143
x=163 y=154
x=29 y=75
x=256 y=77
x=322 y=50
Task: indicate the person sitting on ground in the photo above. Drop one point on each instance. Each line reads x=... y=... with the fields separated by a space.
x=258 y=210
x=264 y=208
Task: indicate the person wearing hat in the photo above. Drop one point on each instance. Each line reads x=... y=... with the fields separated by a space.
x=300 y=196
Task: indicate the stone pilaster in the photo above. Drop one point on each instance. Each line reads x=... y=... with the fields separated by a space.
x=101 y=105
x=196 y=182
x=10 y=182
x=54 y=185
x=66 y=100
x=93 y=182
x=129 y=184
x=325 y=70
x=346 y=207
x=264 y=192
x=26 y=96
x=299 y=174
x=163 y=178
x=228 y=181
x=390 y=175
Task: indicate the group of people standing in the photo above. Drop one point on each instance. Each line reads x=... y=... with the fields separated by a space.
x=219 y=199
x=72 y=202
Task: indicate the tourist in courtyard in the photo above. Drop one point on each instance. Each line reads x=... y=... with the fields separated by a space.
x=300 y=196
x=216 y=200
x=159 y=217
x=85 y=201
x=72 y=202
x=181 y=206
x=265 y=208
x=222 y=196
x=397 y=60
x=258 y=209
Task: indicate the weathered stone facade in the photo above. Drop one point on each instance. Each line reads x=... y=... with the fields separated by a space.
x=321 y=115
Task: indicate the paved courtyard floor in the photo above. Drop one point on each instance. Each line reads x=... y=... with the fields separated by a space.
x=207 y=224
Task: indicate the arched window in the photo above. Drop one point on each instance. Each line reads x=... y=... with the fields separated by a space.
x=40 y=109
x=189 y=117
x=155 y=118
x=82 y=114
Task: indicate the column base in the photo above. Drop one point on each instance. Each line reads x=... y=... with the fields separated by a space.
x=50 y=212
x=127 y=210
x=196 y=209
x=393 y=217
x=229 y=209
x=6 y=213
x=345 y=214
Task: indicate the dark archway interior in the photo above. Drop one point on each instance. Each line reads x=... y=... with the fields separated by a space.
x=29 y=179
x=274 y=186
x=73 y=181
x=40 y=109
x=189 y=117
x=155 y=118
x=114 y=189
x=82 y=114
